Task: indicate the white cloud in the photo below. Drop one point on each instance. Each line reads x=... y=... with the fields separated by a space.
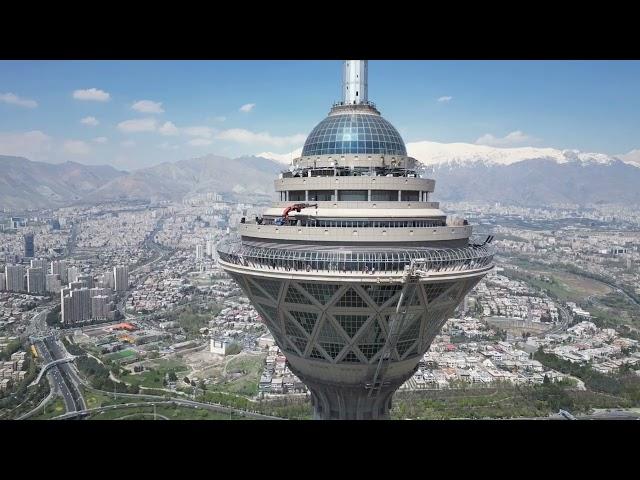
x=31 y=144
x=199 y=142
x=168 y=128
x=93 y=94
x=445 y=99
x=148 y=106
x=168 y=146
x=128 y=143
x=263 y=138
x=247 y=107
x=512 y=139
x=13 y=99
x=76 y=147
x=198 y=131
x=93 y=121
x=138 y=125
x=282 y=157
x=101 y=139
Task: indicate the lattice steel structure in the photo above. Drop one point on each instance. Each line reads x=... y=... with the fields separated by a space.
x=327 y=278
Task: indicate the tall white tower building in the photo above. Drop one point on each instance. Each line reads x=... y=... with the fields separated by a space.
x=355 y=269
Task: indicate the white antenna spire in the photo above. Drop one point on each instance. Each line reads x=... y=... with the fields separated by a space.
x=354 y=82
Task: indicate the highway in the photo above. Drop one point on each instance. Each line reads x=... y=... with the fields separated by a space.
x=61 y=377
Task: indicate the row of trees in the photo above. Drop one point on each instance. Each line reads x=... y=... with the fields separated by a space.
x=98 y=376
x=624 y=384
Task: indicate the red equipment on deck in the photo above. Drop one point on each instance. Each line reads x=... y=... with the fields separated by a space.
x=297 y=208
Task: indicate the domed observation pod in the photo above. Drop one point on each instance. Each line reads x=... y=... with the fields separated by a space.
x=355 y=270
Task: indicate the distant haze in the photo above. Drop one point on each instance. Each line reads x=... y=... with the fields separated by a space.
x=463 y=172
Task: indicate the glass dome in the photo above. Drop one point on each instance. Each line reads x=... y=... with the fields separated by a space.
x=352 y=133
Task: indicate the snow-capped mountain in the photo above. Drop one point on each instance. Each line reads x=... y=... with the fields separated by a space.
x=524 y=176
x=458 y=154
x=285 y=158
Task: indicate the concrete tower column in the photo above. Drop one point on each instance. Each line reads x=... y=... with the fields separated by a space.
x=355 y=83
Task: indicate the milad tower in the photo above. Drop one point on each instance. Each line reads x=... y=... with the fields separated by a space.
x=354 y=270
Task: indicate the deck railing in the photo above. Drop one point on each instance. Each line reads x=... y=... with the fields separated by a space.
x=389 y=260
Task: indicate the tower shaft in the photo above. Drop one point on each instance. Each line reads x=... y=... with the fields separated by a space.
x=355 y=83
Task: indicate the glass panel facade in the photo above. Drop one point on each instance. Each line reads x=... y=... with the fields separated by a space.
x=351 y=323
x=354 y=134
x=351 y=358
x=352 y=195
x=294 y=296
x=409 y=196
x=296 y=195
x=322 y=292
x=322 y=195
x=330 y=340
x=435 y=290
x=372 y=340
x=381 y=294
x=306 y=319
x=295 y=335
x=351 y=299
x=272 y=287
x=384 y=195
x=316 y=354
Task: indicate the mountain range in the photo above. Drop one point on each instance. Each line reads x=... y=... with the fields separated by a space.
x=25 y=184
x=463 y=172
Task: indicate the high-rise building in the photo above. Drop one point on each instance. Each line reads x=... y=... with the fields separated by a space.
x=210 y=248
x=39 y=263
x=355 y=269
x=100 y=307
x=42 y=266
x=100 y=291
x=35 y=280
x=199 y=252
x=81 y=304
x=53 y=283
x=109 y=280
x=29 y=245
x=66 y=309
x=15 y=278
x=72 y=274
x=77 y=304
x=3 y=282
x=121 y=276
x=86 y=280
x=59 y=267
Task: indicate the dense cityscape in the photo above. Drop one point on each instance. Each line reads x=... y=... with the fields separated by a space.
x=157 y=280
x=105 y=304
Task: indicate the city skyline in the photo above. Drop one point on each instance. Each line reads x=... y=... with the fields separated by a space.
x=136 y=114
x=478 y=280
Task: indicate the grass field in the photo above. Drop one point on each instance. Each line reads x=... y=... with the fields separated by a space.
x=121 y=354
x=568 y=286
x=97 y=399
x=154 y=376
x=53 y=409
x=148 y=378
x=250 y=366
x=166 y=364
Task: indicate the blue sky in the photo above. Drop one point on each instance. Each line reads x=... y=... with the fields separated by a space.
x=193 y=108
